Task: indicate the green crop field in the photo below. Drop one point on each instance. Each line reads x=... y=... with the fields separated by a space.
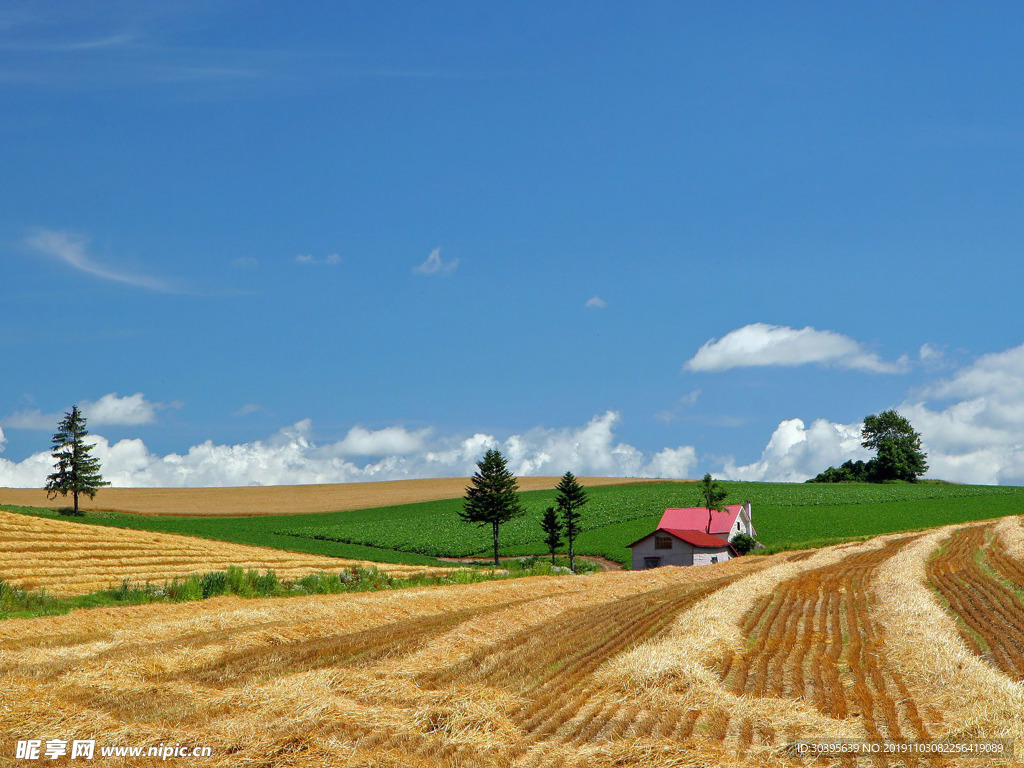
x=785 y=515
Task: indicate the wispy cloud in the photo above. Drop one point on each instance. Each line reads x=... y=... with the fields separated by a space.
x=435 y=266
x=596 y=302
x=109 y=410
x=329 y=260
x=71 y=249
x=760 y=344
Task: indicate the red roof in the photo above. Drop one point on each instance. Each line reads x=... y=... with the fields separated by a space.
x=696 y=519
x=697 y=538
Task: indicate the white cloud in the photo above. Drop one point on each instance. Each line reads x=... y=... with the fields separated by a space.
x=121 y=411
x=71 y=249
x=390 y=440
x=971 y=426
x=291 y=456
x=760 y=344
x=596 y=302
x=795 y=452
x=434 y=265
x=331 y=259
x=109 y=410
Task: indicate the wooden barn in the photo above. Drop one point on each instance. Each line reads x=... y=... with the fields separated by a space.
x=688 y=537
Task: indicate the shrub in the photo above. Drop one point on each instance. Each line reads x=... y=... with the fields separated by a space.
x=742 y=543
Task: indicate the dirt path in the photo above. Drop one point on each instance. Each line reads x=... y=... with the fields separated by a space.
x=602 y=562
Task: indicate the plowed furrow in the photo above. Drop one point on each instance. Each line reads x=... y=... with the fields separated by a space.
x=551 y=665
x=991 y=614
x=815 y=639
x=350 y=649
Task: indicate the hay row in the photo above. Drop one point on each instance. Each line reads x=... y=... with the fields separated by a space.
x=925 y=645
x=992 y=616
x=72 y=558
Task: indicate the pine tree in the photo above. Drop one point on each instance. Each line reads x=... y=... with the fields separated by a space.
x=492 y=497
x=76 y=471
x=552 y=528
x=571 y=496
x=712 y=494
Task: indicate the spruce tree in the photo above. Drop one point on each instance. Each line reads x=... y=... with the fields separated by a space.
x=552 y=528
x=76 y=471
x=571 y=496
x=492 y=498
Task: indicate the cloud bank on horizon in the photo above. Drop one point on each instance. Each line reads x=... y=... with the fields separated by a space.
x=972 y=426
x=393 y=453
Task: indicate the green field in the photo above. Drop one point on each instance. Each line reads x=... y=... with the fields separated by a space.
x=785 y=515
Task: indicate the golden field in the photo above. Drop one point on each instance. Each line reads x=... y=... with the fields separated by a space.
x=279 y=499
x=722 y=665
x=73 y=559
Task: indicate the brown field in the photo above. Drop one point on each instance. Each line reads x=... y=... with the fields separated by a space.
x=715 y=666
x=279 y=499
x=72 y=559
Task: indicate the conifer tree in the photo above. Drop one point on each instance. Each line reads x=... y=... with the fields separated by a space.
x=552 y=528
x=76 y=471
x=492 y=498
x=571 y=496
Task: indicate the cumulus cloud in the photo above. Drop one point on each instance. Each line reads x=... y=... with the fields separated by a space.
x=390 y=440
x=971 y=426
x=71 y=249
x=109 y=410
x=596 y=302
x=760 y=344
x=291 y=456
x=796 y=452
x=972 y=423
x=434 y=265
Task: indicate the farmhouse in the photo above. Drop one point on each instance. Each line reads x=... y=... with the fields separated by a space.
x=687 y=537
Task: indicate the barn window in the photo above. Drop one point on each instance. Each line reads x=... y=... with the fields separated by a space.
x=663 y=542
x=652 y=562
x=714 y=558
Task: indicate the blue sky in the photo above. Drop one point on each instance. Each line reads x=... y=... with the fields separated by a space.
x=368 y=240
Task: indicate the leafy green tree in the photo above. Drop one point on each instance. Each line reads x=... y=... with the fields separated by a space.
x=712 y=494
x=552 y=528
x=492 y=497
x=848 y=472
x=76 y=471
x=743 y=543
x=898 y=446
x=571 y=496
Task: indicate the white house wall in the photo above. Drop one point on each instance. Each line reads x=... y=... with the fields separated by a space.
x=682 y=553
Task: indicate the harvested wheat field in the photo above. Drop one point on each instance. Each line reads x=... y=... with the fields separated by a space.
x=281 y=499
x=72 y=559
x=710 y=666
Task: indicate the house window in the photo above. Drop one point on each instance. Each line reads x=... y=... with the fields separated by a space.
x=663 y=542
x=714 y=558
x=652 y=562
